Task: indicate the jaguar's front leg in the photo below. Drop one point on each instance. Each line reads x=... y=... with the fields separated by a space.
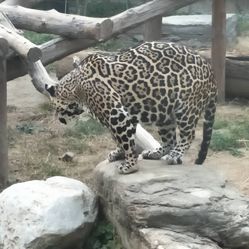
x=116 y=155
x=124 y=132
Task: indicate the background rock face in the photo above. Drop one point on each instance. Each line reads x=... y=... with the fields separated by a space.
x=56 y=213
x=174 y=207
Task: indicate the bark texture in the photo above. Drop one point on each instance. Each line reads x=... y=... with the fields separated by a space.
x=51 y=21
x=61 y=47
x=22 y=46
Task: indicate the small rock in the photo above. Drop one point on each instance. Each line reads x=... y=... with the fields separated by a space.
x=67 y=157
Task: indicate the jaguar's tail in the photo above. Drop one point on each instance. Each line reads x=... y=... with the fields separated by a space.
x=207 y=129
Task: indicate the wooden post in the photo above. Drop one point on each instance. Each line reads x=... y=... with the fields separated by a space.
x=3 y=115
x=219 y=45
x=152 y=29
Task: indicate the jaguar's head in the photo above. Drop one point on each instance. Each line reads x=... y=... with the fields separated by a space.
x=66 y=108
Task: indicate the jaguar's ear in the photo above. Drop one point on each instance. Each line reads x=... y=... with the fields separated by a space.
x=50 y=90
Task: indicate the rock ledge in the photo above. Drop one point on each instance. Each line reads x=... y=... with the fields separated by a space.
x=179 y=207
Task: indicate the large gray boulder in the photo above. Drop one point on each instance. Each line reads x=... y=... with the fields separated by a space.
x=56 y=213
x=176 y=207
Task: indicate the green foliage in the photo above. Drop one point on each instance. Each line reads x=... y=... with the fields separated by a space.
x=11 y=108
x=116 y=44
x=50 y=169
x=105 y=8
x=103 y=237
x=227 y=135
x=77 y=144
x=29 y=127
x=46 y=107
x=38 y=38
x=85 y=128
x=26 y=127
x=223 y=140
x=12 y=136
x=243 y=23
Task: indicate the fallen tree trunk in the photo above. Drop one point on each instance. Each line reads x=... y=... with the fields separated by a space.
x=7 y=23
x=22 y=46
x=51 y=51
x=39 y=75
x=144 y=12
x=237 y=74
x=73 y=26
x=169 y=207
x=59 y=48
x=25 y=3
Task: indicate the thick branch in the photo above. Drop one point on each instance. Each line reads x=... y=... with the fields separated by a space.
x=25 y=3
x=51 y=51
x=39 y=76
x=59 y=48
x=57 y=23
x=85 y=27
x=7 y=23
x=21 y=45
x=137 y=15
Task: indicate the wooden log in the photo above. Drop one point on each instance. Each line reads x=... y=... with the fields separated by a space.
x=236 y=76
x=51 y=51
x=58 y=23
x=219 y=45
x=3 y=115
x=85 y=27
x=39 y=75
x=144 y=12
x=152 y=29
x=4 y=20
x=21 y=45
x=26 y=3
x=58 y=48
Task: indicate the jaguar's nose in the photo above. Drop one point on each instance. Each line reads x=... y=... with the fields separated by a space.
x=63 y=120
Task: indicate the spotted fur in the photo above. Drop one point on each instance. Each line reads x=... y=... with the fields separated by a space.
x=156 y=83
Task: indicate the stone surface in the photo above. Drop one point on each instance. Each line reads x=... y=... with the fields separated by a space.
x=56 y=213
x=168 y=239
x=183 y=202
x=196 y=30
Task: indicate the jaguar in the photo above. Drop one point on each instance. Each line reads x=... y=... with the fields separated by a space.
x=156 y=83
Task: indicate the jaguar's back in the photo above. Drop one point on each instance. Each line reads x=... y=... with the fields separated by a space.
x=155 y=83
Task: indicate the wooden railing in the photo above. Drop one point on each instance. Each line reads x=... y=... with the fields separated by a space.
x=3 y=115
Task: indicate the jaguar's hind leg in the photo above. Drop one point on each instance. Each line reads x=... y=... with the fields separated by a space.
x=187 y=134
x=168 y=137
